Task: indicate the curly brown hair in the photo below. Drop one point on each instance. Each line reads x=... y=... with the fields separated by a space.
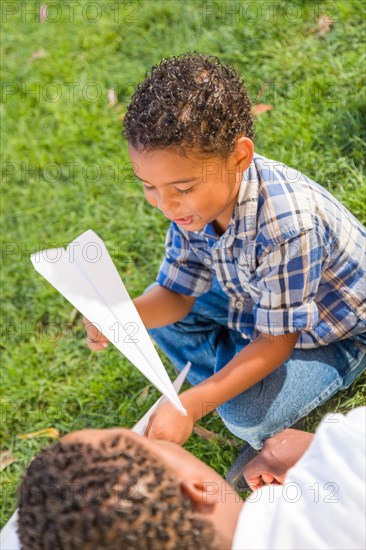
x=119 y=495
x=190 y=101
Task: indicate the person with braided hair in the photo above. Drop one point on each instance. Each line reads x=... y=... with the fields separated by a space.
x=114 y=490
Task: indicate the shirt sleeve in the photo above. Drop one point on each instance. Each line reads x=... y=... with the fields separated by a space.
x=9 y=539
x=287 y=282
x=181 y=269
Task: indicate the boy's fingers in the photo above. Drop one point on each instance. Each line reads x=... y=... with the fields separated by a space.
x=262 y=480
x=96 y=346
x=95 y=339
x=150 y=433
x=148 y=427
x=92 y=330
x=154 y=432
x=93 y=333
x=268 y=479
x=255 y=482
x=254 y=468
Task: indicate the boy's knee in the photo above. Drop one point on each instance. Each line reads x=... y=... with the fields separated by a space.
x=252 y=429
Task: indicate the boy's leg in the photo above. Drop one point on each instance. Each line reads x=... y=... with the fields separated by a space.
x=195 y=337
x=307 y=379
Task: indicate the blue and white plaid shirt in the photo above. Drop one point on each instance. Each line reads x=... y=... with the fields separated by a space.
x=292 y=259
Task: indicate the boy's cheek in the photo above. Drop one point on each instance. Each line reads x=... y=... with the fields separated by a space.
x=151 y=201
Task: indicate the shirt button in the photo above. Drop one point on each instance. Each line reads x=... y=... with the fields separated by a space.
x=239 y=305
x=229 y=285
x=208 y=261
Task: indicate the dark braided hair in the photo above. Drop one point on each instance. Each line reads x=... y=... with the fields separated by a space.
x=191 y=101
x=75 y=496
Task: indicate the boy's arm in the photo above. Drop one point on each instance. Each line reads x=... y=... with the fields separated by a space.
x=157 y=307
x=253 y=363
x=160 y=306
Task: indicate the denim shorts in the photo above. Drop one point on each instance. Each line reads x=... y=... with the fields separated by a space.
x=304 y=381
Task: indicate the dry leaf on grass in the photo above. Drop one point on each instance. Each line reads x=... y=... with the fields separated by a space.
x=42 y=13
x=47 y=432
x=114 y=105
x=143 y=395
x=112 y=97
x=261 y=108
x=6 y=458
x=207 y=435
x=37 y=55
x=323 y=25
x=263 y=89
x=73 y=315
x=203 y=433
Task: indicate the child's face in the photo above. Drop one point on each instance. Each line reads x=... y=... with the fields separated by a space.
x=190 y=191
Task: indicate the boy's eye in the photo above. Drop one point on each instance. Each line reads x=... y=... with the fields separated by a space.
x=184 y=191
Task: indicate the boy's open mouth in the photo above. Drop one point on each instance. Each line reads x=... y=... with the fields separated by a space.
x=184 y=221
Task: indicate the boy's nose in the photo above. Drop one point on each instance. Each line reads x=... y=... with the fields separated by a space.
x=167 y=204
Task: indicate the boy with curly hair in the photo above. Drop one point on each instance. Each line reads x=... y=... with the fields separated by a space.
x=263 y=284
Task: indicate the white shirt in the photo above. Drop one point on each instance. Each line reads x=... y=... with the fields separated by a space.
x=8 y=536
x=322 y=503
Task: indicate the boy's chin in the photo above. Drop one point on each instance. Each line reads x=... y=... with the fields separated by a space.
x=194 y=227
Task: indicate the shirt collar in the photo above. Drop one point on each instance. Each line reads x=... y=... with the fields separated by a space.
x=245 y=213
x=243 y=224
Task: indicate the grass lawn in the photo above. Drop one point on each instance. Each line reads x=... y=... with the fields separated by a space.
x=66 y=169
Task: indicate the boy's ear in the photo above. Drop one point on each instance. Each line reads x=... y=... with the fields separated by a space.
x=204 y=496
x=244 y=151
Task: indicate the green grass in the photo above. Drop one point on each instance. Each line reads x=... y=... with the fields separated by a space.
x=49 y=378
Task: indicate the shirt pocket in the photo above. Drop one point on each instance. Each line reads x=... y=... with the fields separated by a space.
x=245 y=265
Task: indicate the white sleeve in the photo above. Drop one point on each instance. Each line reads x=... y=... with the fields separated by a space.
x=322 y=503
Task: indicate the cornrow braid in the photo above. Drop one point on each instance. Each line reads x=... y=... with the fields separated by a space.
x=76 y=496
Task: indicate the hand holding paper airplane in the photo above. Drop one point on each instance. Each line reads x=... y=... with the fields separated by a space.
x=84 y=273
x=96 y=340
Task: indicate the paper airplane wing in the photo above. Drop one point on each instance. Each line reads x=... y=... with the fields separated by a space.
x=86 y=276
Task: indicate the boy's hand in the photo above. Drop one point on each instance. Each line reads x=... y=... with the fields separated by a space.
x=96 y=340
x=169 y=424
x=278 y=455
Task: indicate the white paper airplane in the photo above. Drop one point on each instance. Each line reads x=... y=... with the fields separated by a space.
x=9 y=539
x=84 y=273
